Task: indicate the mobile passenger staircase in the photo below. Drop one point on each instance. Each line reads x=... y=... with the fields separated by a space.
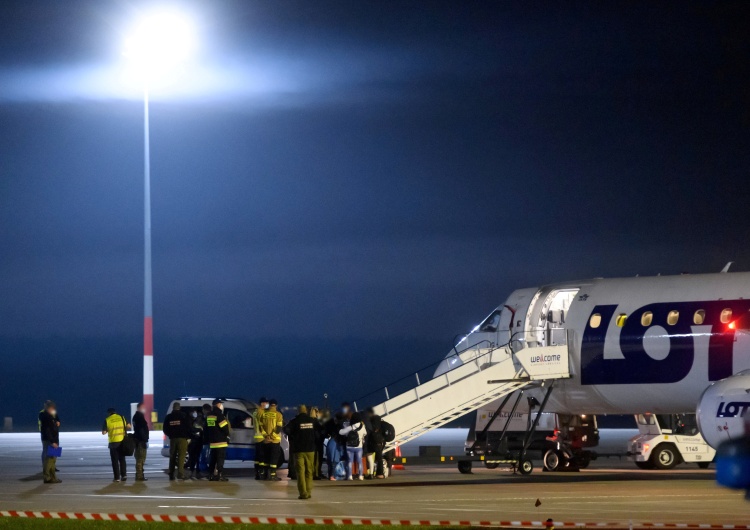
x=485 y=374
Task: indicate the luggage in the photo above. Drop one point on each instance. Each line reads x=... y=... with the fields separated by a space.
x=352 y=438
x=127 y=446
x=389 y=433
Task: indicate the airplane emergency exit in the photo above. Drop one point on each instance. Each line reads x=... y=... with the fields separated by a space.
x=666 y=344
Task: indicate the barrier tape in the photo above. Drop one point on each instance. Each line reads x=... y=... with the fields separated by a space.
x=349 y=521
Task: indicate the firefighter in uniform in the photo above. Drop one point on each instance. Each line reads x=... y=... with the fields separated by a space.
x=272 y=422
x=217 y=430
x=258 y=438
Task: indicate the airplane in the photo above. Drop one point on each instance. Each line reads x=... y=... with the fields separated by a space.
x=663 y=344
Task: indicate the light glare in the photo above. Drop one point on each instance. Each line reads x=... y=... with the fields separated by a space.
x=159 y=40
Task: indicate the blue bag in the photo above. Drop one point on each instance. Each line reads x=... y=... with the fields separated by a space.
x=54 y=452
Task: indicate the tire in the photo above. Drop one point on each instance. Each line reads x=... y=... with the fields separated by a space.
x=525 y=467
x=704 y=465
x=584 y=463
x=464 y=467
x=665 y=456
x=552 y=460
x=491 y=465
x=644 y=465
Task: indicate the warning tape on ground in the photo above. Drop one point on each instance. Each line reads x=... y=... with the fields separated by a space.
x=349 y=521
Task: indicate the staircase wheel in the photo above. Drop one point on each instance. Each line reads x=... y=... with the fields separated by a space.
x=525 y=466
x=552 y=460
x=464 y=467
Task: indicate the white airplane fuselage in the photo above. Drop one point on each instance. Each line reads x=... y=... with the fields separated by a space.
x=643 y=344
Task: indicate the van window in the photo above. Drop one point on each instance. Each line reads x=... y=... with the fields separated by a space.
x=595 y=321
x=621 y=319
x=699 y=317
x=673 y=317
x=726 y=316
x=646 y=318
x=238 y=419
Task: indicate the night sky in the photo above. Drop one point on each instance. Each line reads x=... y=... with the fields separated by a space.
x=339 y=188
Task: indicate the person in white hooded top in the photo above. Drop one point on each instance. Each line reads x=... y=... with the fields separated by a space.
x=355 y=440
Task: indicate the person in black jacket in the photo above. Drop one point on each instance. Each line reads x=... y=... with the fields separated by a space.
x=301 y=431
x=336 y=448
x=140 y=435
x=195 y=446
x=177 y=427
x=316 y=415
x=50 y=429
x=374 y=445
x=217 y=428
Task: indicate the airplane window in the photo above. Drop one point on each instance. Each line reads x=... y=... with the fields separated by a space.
x=621 y=319
x=673 y=317
x=492 y=322
x=699 y=317
x=646 y=318
x=595 y=321
x=726 y=316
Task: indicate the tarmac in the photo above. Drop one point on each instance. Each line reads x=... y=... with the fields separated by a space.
x=608 y=491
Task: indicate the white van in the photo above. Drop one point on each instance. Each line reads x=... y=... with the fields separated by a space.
x=239 y=413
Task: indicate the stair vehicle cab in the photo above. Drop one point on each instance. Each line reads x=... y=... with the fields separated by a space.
x=666 y=440
x=562 y=442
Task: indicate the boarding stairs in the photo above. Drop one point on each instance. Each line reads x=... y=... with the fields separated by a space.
x=486 y=373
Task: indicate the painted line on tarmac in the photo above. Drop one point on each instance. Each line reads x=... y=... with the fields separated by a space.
x=351 y=521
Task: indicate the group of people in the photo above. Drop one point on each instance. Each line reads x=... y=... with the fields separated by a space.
x=344 y=441
x=348 y=438
x=189 y=436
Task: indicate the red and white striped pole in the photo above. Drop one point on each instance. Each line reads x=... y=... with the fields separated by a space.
x=148 y=321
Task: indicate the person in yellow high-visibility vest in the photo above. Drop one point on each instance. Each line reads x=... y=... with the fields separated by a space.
x=261 y=466
x=115 y=426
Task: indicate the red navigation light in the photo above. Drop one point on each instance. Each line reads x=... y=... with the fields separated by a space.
x=732 y=325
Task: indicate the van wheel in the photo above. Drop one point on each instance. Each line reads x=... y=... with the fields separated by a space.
x=551 y=460
x=491 y=465
x=464 y=467
x=665 y=456
x=704 y=465
x=525 y=467
x=644 y=465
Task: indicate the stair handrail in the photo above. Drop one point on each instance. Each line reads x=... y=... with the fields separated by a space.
x=493 y=347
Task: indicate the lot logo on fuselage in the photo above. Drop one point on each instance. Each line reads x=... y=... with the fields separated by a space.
x=733 y=409
x=637 y=366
